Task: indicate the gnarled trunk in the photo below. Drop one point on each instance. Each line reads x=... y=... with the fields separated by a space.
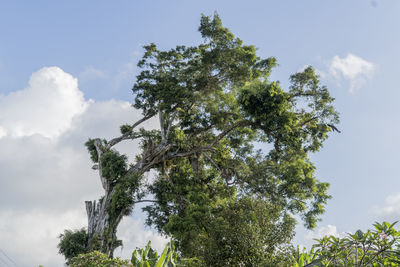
x=102 y=228
x=101 y=231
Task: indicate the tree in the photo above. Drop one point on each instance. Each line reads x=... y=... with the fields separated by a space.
x=239 y=232
x=213 y=102
x=73 y=243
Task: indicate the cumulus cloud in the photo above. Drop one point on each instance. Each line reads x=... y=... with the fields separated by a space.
x=127 y=232
x=46 y=107
x=390 y=211
x=28 y=237
x=324 y=231
x=45 y=168
x=352 y=68
x=3 y=132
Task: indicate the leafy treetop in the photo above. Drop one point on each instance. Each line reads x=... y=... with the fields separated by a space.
x=215 y=101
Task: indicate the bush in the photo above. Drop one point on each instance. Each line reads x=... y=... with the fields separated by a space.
x=146 y=257
x=97 y=259
x=377 y=247
x=73 y=243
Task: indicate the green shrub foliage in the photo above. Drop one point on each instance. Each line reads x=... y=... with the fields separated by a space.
x=146 y=257
x=98 y=259
x=73 y=243
x=377 y=247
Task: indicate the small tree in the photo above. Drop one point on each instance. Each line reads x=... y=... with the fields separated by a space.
x=213 y=102
x=73 y=243
x=377 y=247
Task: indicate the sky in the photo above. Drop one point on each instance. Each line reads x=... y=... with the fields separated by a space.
x=66 y=73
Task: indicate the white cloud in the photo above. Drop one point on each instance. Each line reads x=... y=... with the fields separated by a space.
x=353 y=68
x=91 y=73
x=46 y=107
x=128 y=233
x=391 y=210
x=29 y=237
x=329 y=230
x=45 y=181
x=125 y=74
x=3 y=132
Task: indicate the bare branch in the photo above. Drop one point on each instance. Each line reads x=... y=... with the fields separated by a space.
x=145 y=200
x=151 y=158
x=223 y=171
x=301 y=94
x=127 y=135
x=334 y=128
x=170 y=121
x=307 y=121
x=212 y=162
x=187 y=153
x=99 y=148
x=228 y=130
x=160 y=117
x=160 y=153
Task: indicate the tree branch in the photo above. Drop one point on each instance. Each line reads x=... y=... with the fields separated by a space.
x=99 y=148
x=307 y=121
x=126 y=135
x=170 y=121
x=145 y=200
x=154 y=157
x=212 y=162
x=187 y=153
x=228 y=130
x=222 y=170
x=303 y=94
x=161 y=119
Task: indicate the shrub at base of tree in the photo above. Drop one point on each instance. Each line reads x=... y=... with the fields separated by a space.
x=146 y=257
x=97 y=259
x=73 y=243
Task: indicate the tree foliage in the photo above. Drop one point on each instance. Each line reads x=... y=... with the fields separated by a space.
x=221 y=199
x=146 y=257
x=222 y=103
x=73 y=243
x=377 y=247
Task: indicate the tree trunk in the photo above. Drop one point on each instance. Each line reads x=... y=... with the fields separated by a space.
x=101 y=228
x=102 y=233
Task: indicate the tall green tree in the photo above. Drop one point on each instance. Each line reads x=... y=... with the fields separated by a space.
x=214 y=102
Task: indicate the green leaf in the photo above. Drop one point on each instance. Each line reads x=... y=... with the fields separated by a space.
x=146 y=250
x=134 y=258
x=301 y=261
x=161 y=260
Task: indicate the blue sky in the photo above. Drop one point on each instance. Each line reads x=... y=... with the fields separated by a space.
x=90 y=49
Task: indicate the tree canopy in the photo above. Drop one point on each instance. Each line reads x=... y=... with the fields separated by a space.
x=222 y=199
